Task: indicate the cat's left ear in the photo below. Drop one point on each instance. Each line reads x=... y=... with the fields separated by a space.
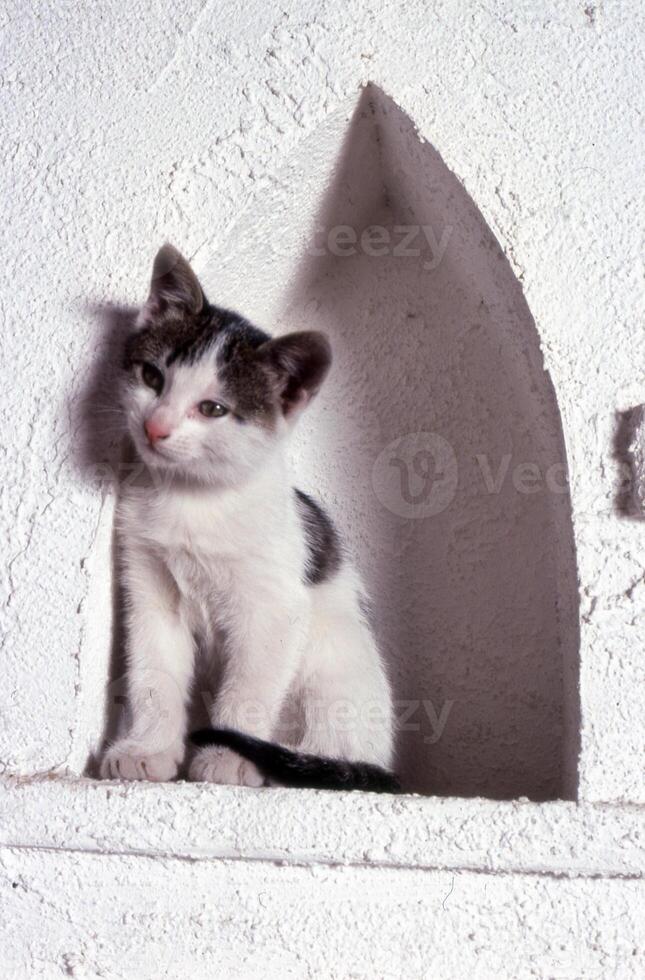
x=174 y=287
x=299 y=363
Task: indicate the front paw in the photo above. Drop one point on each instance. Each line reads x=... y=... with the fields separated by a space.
x=127 y=759
x=216 y=764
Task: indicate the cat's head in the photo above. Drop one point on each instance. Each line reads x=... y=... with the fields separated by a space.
x=207 y=394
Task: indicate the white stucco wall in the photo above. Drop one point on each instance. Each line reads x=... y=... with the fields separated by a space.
x=220 y=130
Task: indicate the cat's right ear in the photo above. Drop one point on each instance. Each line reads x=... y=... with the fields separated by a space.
x=174 y=288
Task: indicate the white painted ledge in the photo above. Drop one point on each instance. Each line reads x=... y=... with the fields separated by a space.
x=198 y=821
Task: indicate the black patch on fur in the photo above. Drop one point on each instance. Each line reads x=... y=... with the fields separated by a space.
x=223 y=325
x=180 y=325
x=184 y=339
x=246 y=377
x=169 y=336
x=299 y=769
x=323 y=544
x=300 y=361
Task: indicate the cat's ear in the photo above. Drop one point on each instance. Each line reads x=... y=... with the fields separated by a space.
x=299 y=363
x=173 y=287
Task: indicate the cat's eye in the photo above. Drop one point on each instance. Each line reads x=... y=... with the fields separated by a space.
x=212 y=410
x=152 y=377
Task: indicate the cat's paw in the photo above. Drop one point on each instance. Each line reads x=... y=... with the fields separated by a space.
x=215 y=764
x=127 y=759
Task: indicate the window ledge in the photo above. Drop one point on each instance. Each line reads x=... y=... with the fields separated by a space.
x=200 y=821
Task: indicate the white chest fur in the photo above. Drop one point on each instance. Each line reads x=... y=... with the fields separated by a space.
x=215 y=543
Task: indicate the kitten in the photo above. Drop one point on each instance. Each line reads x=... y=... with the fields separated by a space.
x=221 y=558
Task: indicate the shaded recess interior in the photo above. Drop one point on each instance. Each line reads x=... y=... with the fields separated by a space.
x=439 y=382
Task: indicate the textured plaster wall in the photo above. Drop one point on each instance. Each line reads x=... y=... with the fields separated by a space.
x=310 y=921
x=219 y=129
x=127 y=126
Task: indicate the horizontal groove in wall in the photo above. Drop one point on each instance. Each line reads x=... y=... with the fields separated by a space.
x=203 y=822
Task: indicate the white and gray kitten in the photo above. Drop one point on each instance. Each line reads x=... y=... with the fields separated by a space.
x=221 y=558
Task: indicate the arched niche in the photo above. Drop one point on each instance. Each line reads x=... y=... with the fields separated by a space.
x=436 y=444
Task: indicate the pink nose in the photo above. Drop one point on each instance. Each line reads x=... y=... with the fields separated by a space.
x=156 y=430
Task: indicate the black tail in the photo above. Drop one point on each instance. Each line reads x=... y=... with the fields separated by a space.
x=298 y=769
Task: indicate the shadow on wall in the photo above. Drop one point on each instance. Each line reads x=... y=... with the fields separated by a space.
x=439 y=444
x=105 y=459
x=102 y=460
